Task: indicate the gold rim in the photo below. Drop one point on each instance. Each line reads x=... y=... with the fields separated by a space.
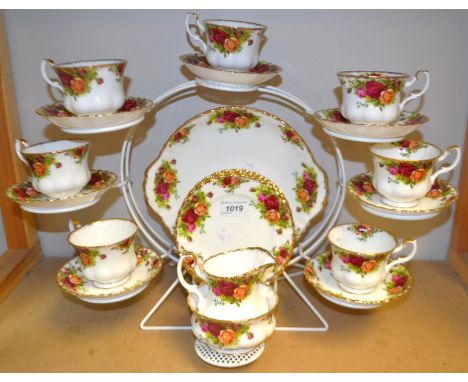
x=147 y=104
x=81 y=142
x=363 y=254
x=153 y=273
x=314 y=282
x=398 y=209
x=408 y=160
x=182 y=58
x=229 y=322
x=366 y=74
x=98 y=222
x=215 y=22
x=243 y=275
x=66 y=65
x=51 y=200
x=265 y=113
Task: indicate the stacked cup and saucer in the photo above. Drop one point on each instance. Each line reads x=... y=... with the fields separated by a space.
x=230 y=58
x=360 y=270
x=108 y=267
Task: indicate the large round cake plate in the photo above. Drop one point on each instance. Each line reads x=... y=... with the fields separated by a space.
x=227 y=359
x=334 y=122
x=71 y=280
x=441 y=196
x=236 y=138
x=396 y=284
x=35 y=202
x=131 y=114
x=229 y=80
x=234 y=209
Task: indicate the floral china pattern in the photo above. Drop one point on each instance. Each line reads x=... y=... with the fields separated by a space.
x=359 y=264
x=77 y=81
x=165 y=184
x=124 y=245
x=271 y=207
x=230 y=183
x=362 y=185
x=234 y=291
x=181 y=135
x=228 y=40
x=71 y=278
x=324 y=262
x=282 y=253
x=78 y=154
x=363 y=231
x=234 y=119
x=146 y=256
x=88 y=256
x=441 y=189
x=399 y=278
x=41 y=164
x=224 y=335
x=291 y=136
x=306 y=188
x=199 y=60
x=406 y=172
x=378 y=92
x=194 y=213
x=407 y=147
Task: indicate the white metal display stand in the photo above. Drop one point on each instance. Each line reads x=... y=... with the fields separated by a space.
x=168 y=250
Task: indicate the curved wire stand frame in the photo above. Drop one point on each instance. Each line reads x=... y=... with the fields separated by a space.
x=168 y=250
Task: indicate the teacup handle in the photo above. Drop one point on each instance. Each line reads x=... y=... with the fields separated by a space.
x=195 y=36
x=402 y=259
x=191 y=288
x=416 y=94
x=449 y=167
x=73 y=224
x=53 y=83
x=19 y=145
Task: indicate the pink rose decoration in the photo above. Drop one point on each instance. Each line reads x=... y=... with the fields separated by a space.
x=361 y=93
x=374 y=88
x=272 y=203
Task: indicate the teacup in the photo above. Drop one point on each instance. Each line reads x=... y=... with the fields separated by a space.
x=106 y=250
x=89 y=87
x=374 y=97
x=231 y=276
x=361 y=256
x=229 y=44
x=58 y=169
x=232 y=333
x=404 y=170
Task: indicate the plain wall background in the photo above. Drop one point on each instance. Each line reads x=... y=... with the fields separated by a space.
x=310 y=46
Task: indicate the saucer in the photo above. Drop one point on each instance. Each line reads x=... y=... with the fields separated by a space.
x=442 y=195
x=71 y=280
x=225 y=79
x=130 y=114
x=396 y=284
x=333 y=121
x=33 y=201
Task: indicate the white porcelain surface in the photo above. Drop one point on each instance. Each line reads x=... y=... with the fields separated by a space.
x=58 y=169
x=106 y=250
x=361 y=256
x=193 y=152
x=71 y=280
x=90 y=87
x=395 y=285
x=229 y=44
x=404 y=171
x=374 y=97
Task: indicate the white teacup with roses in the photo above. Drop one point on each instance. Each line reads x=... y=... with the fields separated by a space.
x=404 y=170
x=374 y=97
x=230 y=44
x=231 y=277
x=361 y=256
